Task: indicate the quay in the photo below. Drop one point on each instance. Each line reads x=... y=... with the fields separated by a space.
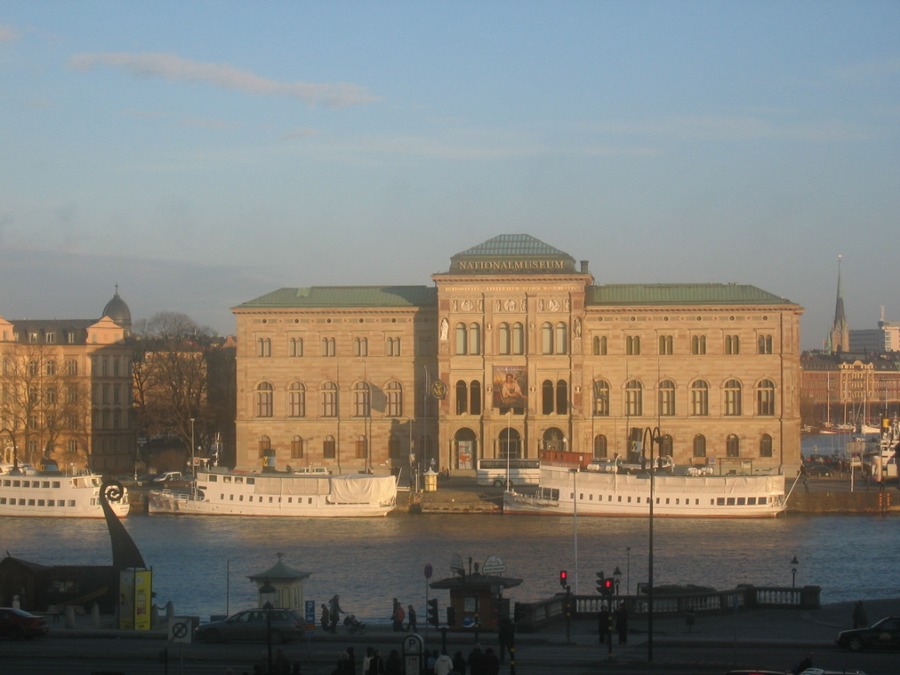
x=459 y=495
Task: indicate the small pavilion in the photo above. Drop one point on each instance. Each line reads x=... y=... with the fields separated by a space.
x=287 y=582
x=476 y=597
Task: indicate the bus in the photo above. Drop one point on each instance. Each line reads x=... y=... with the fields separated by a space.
x=521 y=472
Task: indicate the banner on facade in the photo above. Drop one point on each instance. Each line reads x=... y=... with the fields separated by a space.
x=510 y=385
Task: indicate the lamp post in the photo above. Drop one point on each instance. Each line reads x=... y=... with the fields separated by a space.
x=192 y=448
x=575 y=521
x=650 y=437
x=627 y=570
x=617 y=575
x=794 y=563
x=267 y=597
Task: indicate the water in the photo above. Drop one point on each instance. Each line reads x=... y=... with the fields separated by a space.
x=370 y=561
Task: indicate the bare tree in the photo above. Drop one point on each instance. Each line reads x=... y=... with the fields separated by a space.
x=171 y=378
x=42 y=404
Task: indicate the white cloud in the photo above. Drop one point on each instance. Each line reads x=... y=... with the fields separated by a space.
x=176 y=68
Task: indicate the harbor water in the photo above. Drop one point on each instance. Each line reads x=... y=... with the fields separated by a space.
x=202 y=564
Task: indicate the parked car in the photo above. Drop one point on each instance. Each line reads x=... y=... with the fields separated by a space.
x=168 y=477
x=883 y=634
x=251 y=625
x=21 y=625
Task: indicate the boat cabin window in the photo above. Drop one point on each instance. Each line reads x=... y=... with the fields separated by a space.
x=212 y=478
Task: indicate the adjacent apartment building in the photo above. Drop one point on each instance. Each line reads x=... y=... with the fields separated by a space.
x=65 y=391
x=513 y=350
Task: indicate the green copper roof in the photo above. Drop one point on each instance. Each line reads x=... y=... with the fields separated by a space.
x=512 y=254
x=345 y=296
x=681 y=294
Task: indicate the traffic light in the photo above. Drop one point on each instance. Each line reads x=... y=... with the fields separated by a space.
x=609 y=587
x=600 y=582
x=432 y=613
x=563 y=578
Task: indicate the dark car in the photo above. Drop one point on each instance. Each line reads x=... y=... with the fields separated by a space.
x=21 y=625
x=252 y=625
x=883 y=634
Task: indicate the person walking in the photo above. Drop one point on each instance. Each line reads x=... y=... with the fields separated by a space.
x=411 y=617
x=397 y=616
x=335 y=612
x=505 y=637
x=325 y=618
x=622 y=624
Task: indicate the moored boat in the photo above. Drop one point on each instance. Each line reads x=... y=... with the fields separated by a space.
x=50 y=493
x=219 y=492
x=686 y=494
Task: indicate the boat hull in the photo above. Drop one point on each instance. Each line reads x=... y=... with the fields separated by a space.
x=56 y=496
x=674 y=496
x=279 y=496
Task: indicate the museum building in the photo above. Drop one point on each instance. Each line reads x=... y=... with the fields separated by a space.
x=513 y=351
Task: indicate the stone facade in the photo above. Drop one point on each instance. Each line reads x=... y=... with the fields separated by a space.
x=67 y=391
x=516 y=350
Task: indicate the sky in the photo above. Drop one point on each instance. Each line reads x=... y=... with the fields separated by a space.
x=201 y=154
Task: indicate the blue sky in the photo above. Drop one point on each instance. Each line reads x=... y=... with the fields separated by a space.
x=200 y=154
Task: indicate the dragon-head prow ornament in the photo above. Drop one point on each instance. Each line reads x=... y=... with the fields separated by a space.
x=112 y=491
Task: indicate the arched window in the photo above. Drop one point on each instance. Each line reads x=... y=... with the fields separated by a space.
x=518 y=339
x=264 y=346
x=765 y=398
x=510 y=444
x=699 y=445
x=633 y=345
x=600 y=447
x=665 y=445
x=503 y=342
x=394 y=404
x=297 y=448
x=666 y=398
x=732 y=398
x=599 y=343
x=361 y=400
x=462 y=397
x=329 y=448
x=698 y=345
x=764 y=344
x=562 y=397
x=634 y=399
x=547 y=338
x=547 y=397
x=264 y=443
x=699 y=398
x=601 y=398
x=362 y=447
x=732 y=344
x=475 y=397
x=475 y=339
x=462 y=339
x=295 y=346
x=732 y=446
x=666 y=345
x=297 y=400
x=562 y=338
x=765 y=446
x=264 y=399
x=329 y=399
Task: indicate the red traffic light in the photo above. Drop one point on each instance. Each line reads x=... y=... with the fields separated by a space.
x=563 y=578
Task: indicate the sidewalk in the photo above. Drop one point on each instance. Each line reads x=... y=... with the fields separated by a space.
x=810 y=628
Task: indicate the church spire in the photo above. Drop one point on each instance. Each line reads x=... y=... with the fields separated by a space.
x=840 y=330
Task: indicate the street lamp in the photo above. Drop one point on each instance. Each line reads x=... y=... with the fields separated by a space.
x=794 y=563
x=617 y=574
x=650 y=437
x=192 y=449
x=267 y=597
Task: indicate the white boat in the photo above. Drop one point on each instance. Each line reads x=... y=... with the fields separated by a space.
x=219 y=492
x=676 y=495
x=52 y=494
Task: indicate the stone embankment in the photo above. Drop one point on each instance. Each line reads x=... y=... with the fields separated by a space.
x=829 y=495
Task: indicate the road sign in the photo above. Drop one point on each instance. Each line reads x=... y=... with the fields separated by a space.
x=180 y=629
